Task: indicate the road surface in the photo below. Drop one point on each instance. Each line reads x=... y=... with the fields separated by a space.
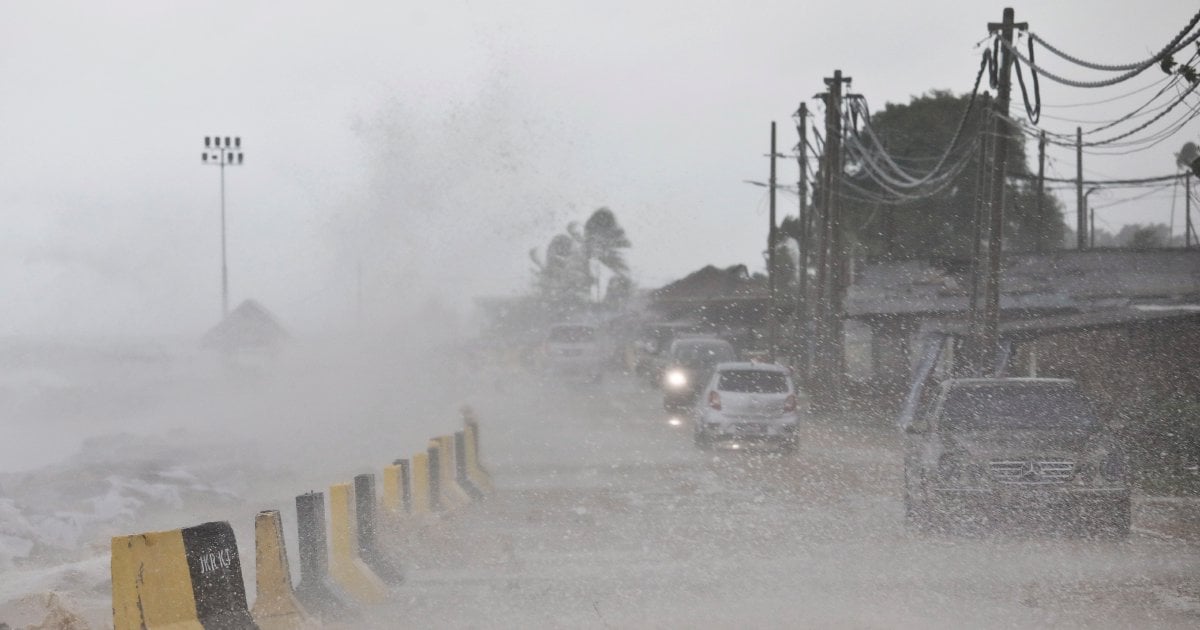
x=606 y=516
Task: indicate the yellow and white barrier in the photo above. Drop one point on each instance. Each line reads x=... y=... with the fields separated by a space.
x=181 y=579
x=346 y=568
x=275 y=607
x=451 y=496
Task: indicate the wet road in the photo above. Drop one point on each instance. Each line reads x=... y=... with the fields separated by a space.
x=606 y=516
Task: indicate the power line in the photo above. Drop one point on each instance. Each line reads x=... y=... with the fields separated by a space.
x=1175 y=46
x=1144 y=88
x=1108 y=182
x=1170 y=48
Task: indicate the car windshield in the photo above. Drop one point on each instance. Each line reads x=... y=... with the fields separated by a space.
x=986 y=408
x=703 y=354
x=572 y=334
x=753 y=382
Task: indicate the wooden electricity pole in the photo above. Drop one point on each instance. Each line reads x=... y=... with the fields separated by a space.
x=991 y=337
x=978 y=259
x=772 y=311
x=801 y=316
x=831 y=275
x=1042 y=222
x=1080 y=211
x=1187 y=211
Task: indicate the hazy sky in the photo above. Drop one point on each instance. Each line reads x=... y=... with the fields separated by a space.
x=433 y=144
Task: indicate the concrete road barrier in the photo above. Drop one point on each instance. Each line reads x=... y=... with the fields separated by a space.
x=316 y=591
x=275 y=606
x=475 y=470
x=434 y=470
x=383 y=564
x=461 y=474
x=450 y=495
x=397 y=488
x=191 y=578
x=181 y=579
x=422 y=492
x=347 y=567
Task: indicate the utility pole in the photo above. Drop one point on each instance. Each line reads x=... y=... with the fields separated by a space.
x=1042 y=223
x=837 y=253
x=832 y=275
x=981 y=214
x=1187 y=211
x=999 y=167
x=819 y=307
x=222 y=154
x=1091 y=229
x=772 y=314
x=801 y=327
x=1080 y=213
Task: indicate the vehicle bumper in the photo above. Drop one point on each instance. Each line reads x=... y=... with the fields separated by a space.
x=750 y=429
x=1062 y=499
x=683 y=397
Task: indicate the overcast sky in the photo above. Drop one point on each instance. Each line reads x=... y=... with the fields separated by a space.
x=433 y=144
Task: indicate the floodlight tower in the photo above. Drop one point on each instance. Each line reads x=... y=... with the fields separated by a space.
x=222 y=151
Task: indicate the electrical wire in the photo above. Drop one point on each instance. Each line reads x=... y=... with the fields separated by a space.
x=1171 y=47
x=1118 y=97
x=1107 y=182
x=909 y=181
x=1142 y=195
x=1084 y=84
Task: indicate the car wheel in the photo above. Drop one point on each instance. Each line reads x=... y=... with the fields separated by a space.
x=788 y=445
x=702 y=440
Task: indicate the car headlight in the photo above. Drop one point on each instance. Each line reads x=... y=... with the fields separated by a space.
x=677 y=378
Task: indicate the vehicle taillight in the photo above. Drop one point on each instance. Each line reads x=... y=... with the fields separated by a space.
x=790 y=403
x=714 y=400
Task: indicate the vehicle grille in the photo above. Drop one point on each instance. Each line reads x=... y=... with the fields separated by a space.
x=1032 y=471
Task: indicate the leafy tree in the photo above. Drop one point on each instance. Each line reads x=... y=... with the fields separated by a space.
x=917 y=134
x=618 y=292
x=561 y=280
x=565 y=278
x=604 y=241
x=785 y=266
x=1189 y=157
x=1143 y=236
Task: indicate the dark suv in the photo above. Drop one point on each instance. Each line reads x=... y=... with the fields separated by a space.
x=690 y=363
x=1027 y=447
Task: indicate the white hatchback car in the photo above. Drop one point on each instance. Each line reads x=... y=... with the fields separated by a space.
x=748 y=402
x=574 y=350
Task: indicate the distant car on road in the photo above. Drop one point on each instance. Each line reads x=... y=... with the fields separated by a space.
x=650 y=349
x=748 y=402
x=1015 y=446
x=689 y=366
x=574 y=350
